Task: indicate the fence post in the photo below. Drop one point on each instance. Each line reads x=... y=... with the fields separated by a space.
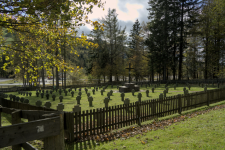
x=16 y=118
x=208 y=102
x=138 y=114
x=55 y=142
x=69 y=125
x=179 y=104
x=0 y=115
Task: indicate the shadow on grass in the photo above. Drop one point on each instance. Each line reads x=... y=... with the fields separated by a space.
x=7 y=117
x=81 y=145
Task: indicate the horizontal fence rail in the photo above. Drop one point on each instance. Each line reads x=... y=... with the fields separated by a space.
x=85 y=125
x=46 y=125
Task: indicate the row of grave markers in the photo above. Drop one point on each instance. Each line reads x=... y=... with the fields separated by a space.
x=60 y=106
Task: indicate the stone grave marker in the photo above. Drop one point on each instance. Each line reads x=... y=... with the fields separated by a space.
x=161 y=97
x=22 y=99
x=23 y=93
x=164 y=93
x=80 y=93
x=86 y=90
x=205 y=89
x=14 y=98
x=147 y=92
x=6 y=96
x=106 y=101
x=96 y=88
x=117 y=87
x=139 y=97
x=26 y=93
x=153 y=90
x=78 y=98
x=61 y=98
x=111 y=92
x=60 y=107
x=46 y=91
x=90 y=99
x=51 y=92
x=184 y=89
x=79 y=89
x=174 y=87
x=88 y=94
x=10 y=96
x=185 y=92
x=47 y=96
x=167 y=89
x=126 y=103
x=133 y=92
x=122 y=95
x=30 y=93
x=75 y=89
x=101 y=92
x=60 y=91
x=93 y=91
x=38 y=103
x=65 y=92
x=48 y=104
x=53 y=97
x=26 y=101
x=39 y=90
x=37 y=94
x=42 y=95
x=77 y=109
x=43 y=91
x=72 y=93
x=17 y=98
x=108 y=94
x=189 y=87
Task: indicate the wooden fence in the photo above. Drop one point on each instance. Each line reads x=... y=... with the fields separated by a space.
x=86 y=124
x=15 y=89
x=22 y=106
x=42 y=125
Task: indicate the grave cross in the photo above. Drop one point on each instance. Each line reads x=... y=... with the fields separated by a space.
x=129 y=71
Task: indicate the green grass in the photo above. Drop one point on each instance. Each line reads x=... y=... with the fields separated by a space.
x=98 y=99
x=203 y=131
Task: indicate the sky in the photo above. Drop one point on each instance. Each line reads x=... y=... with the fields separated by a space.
x=128 y=12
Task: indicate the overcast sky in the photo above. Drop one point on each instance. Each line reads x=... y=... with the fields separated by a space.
x=128 y=11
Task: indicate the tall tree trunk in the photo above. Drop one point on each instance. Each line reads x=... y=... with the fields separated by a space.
x=53 y=83
x=43 y=76
x=206 y=58
x=181 y=42
x=64 y=60
x=62 y=79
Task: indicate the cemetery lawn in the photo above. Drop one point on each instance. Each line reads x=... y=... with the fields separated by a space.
x=98 y=99
x=197 y=130
x=200 y=128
